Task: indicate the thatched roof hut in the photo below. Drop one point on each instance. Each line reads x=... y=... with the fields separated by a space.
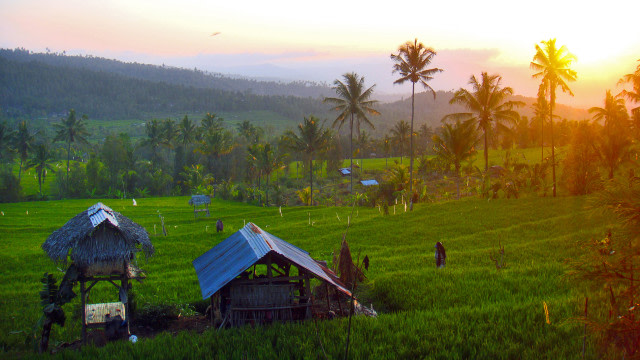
x=97 y=237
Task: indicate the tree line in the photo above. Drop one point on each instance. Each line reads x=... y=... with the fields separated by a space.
x=207 y=155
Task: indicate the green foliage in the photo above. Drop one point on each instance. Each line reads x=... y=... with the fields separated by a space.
x=581 y=175
x=10 y=189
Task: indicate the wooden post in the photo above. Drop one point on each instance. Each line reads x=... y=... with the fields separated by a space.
x=213 y=310
x=307 y=286
x=84 y=312
x=326 y=287
x=124 y=284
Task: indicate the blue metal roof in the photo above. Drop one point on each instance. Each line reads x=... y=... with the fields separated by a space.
x=369 y=182
x=101 y=212
x=224 y=262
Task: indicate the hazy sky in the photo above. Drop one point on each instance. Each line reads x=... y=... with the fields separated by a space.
x=322 y=40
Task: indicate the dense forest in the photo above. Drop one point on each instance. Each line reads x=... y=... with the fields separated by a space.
x=34 y=85
x=172 y=75
x=35 y=89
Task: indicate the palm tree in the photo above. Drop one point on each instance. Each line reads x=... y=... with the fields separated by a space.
x=310 y=140
x=22 y=141
x=487 y=104
x=353 y=102
x=71 y=130
x=41 y=160
x=455 y=144
x=613 y=146
x=215 y=144
x=552 y=67
x=186 y=132
x=267 y=160
x=411 y=63
x=400 y=132
x=541 y=114
x=210 y=123
x=634 y=94
x=169 y=133
x=154 y=139
x=386 y=146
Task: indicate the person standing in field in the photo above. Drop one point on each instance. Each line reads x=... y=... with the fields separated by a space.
x=219 y=226
x=441 y=255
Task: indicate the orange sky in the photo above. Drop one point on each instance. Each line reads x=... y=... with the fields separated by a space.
x=319 y=37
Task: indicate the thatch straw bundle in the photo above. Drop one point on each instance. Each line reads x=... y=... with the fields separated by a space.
x=98 y=240
x=349 y=272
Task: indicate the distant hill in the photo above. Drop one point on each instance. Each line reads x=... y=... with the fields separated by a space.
x=172 y=75
x=36 y=89
x=47 y=85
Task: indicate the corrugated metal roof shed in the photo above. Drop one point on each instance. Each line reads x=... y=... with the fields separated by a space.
x=369 y=182
x=344 y=171
x=218 y=266
x=199 y=200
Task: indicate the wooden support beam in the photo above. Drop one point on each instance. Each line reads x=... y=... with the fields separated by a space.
x=84 y=312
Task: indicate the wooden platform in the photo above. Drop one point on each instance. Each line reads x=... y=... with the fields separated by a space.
x=96 y=313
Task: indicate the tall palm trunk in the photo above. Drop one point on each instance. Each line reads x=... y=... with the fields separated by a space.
x=542 y=140
x=68 y=157
x=351 y=156
x=20 y=171
x=413 y=87
x=457 y=165
x=486 y=151
x=311 y=180
x=266 y=191
x=553 y=155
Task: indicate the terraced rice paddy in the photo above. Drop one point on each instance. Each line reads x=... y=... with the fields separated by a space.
x=467 y=310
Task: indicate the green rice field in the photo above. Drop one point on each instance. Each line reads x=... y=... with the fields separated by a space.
x=468 y=310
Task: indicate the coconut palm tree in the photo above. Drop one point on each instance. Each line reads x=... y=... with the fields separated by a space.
x=210 y=123
x=353 y=102
x=487 y=105
x=41 y=159
x=267 y=160
x=71 y=130
x=411 y=64
x=22 y=141
x=310 y=140
x=215 y=144
x=154 y=139
x=551 y=65
x=386 y=146
x=613 y=146
x=186 y=132
x=456 y=144
x=400 y=132
x=541 y=114
x=634 y=94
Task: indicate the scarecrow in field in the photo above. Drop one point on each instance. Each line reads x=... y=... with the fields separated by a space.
x=441 y=255
x=219 y=226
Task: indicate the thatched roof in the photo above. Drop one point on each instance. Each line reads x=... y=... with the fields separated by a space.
x=199 y=200
x=98 y=235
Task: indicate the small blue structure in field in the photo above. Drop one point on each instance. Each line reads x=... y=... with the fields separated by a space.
x=344 y=171
x=369 y=182
x=255 y=277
